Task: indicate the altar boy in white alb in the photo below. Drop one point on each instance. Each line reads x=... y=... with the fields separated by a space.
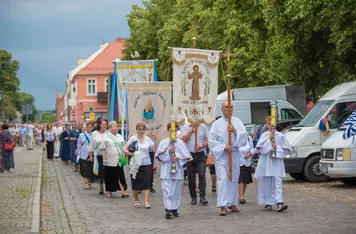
x=270 y=170
x=167 y=153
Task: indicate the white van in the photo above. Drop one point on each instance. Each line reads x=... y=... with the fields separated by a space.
x=338 y=157
x=306 y=138
x=255 y=111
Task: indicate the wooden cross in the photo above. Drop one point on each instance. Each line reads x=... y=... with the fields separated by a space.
x=194 y=30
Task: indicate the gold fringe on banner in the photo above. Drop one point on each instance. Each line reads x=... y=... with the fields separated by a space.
x=133 y=66
x=144 y=88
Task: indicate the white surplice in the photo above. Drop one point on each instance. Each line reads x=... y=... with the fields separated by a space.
x=172 y=183
x=227 y=191
x=270 y=171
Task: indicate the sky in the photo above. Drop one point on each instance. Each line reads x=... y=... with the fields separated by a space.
x=48 y=36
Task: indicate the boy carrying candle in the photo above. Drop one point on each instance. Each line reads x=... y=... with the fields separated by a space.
x=173 y=154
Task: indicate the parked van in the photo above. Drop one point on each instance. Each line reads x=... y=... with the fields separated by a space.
x=338 y=154
x=252 y=105
x=306 y=138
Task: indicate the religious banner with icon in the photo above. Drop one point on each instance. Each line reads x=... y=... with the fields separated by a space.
x=132 y=71
x=195 y=82
x=150 y=103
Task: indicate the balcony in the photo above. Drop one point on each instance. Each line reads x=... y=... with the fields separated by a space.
x=102 y=96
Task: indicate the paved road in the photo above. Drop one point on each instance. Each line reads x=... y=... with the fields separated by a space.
x=17 y=191
x=68 y=208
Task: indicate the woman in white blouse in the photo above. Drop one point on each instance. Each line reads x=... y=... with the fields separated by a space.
x=86 y=167
x=95 y=154
x=111 y=149
x=49 y=138
x=142 y=180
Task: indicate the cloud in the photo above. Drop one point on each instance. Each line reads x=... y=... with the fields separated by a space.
x=48 y=36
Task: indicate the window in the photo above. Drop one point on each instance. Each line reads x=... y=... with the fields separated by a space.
x=340 y=113
x=315 y=114
x=289 y=114
x=106 y=84
x=91 y=87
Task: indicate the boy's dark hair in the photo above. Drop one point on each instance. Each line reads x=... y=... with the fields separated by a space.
x=169 y=126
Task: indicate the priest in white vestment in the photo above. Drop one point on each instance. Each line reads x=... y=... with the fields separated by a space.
x=227 y=191
x=270 y=170
x=172 y=182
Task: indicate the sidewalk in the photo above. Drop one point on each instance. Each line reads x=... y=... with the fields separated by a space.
x=17 y=192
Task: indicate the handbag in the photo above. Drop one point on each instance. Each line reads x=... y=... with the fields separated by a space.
x=8 y=145
x=210 y=160
x=133 y=147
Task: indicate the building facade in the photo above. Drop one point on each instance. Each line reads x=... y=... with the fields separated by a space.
x=87 y=84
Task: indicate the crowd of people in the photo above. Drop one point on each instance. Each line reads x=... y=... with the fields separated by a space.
x=99 y=153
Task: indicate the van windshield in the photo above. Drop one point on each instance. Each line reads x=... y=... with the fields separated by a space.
x=314 y=114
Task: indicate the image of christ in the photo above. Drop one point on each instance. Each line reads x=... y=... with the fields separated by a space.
x=195 y=76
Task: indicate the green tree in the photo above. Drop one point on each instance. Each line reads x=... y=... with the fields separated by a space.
x=27 y=98
x=9 y=84
x=48 y=117
x=306 y=42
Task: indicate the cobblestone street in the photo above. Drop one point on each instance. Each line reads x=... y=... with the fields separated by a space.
x=68 y=208
x=17 y=191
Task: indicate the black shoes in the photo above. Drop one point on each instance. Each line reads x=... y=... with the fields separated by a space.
x=152 y=190
x=203 y=201
x=281 y=207
x=175 y=213
x=242 y=201
x=170 y=213
x=194 y=201
x=268 y=207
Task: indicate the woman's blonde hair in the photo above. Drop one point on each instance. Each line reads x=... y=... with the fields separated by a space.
x=112 y=124
x=141 y=124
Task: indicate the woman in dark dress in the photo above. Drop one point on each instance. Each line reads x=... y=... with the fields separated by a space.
x=73 y=137
x=64 y=138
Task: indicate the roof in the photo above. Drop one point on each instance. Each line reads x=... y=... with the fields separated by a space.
x=342 y=90
x=78 y=68
x=102 y=63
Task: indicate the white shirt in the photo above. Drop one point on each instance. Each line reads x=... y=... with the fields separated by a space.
x=49 y=135
x=30 y=128
x=144 y=149
x=83 y=145
x=203 y=135
x=95 y=141
x=244 y=150
x=111 y=152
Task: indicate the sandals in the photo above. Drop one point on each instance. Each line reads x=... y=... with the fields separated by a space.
x=109 y=195
x=125 y=196
x=147 y=205
x=213 y=189
x=86 y=186
x=136 y=204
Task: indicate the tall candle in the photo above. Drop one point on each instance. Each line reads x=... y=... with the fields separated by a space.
x=173 y=130
x=273 y=115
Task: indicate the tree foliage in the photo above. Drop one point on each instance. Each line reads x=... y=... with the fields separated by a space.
x=10 y=85
x=307 y=42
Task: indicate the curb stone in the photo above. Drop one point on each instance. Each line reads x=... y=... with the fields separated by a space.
x=36 y=207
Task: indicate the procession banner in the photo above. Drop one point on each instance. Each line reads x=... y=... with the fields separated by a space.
x=195 y=82
x=132 y=71
x=150 y=103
